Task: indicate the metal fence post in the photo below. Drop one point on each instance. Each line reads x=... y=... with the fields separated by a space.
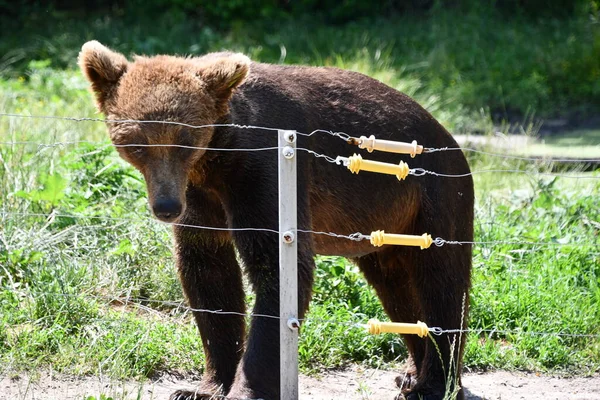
x=288 y=266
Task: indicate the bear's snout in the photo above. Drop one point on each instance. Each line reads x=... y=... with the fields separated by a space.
x=167 y=209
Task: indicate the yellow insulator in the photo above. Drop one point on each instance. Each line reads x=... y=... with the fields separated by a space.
x=354 y=163
x=357 y=164
x=376 y=327
x=379 y=238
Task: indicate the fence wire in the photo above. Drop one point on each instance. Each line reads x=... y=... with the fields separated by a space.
x=343 y=136
x=417 y=172
x=357 y=236
x=179 y=306
x=512 y=157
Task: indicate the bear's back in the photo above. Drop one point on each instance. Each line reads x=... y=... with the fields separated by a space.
x=309 y=98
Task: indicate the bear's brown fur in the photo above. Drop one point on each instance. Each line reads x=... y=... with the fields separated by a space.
x=239 y=189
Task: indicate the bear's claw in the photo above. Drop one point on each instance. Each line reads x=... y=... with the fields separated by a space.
x=406 y=382
x=192 y=395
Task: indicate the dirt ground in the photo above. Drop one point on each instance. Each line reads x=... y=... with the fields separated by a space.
x=355 y=383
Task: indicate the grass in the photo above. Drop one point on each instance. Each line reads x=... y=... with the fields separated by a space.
x=460 y=65
x=69 y=279
x=536 y=288
x=579 y=143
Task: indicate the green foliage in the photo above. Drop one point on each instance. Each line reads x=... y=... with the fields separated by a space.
x=68 y=276
x=463 y=59
x=62 y=276
x=101 y=397
x=331 y=10
x=332 y=337
x=336 y=278
x=56 y=302
x=526 y=290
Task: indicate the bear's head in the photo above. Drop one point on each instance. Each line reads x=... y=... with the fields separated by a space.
x=190 y=91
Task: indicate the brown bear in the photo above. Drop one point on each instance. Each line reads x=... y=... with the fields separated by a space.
x=234 y=189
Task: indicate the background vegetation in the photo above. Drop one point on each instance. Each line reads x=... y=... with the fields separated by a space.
x=88 y=286
x=507 y=59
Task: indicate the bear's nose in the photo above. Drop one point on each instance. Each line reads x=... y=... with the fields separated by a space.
x=167 y=209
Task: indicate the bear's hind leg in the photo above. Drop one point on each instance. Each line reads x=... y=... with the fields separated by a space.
x=388 y=273
x=442 y=283
x=427 y=285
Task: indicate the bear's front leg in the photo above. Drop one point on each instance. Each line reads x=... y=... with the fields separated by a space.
x=257 y=376
x=211 y=280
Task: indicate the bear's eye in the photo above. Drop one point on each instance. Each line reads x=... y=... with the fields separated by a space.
x=136 y=151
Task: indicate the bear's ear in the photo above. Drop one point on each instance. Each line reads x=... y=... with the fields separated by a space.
x=222 y=74
x=103 y=68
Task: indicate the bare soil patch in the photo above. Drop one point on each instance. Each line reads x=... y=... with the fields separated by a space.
x=354 y=383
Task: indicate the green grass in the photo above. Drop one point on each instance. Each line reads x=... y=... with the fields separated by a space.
x=461 y=65
x=65 y=281
x=537 y=288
